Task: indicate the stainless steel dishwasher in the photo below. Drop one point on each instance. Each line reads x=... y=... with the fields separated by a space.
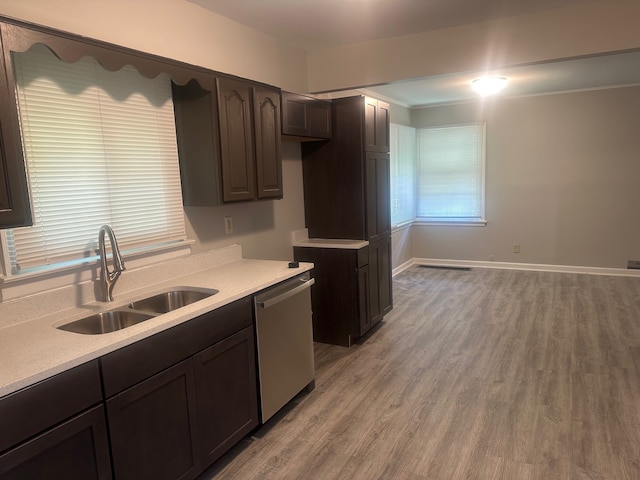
x=284 y=334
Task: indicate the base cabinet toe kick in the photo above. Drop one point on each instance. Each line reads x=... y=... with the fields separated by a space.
x=170 y=405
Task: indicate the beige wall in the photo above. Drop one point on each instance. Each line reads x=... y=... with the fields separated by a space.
x=401 y=247
x=186 y=32
x=176 y=29
x=262 y=228
x=400 y=115
x=597 y=27
x=562 y=181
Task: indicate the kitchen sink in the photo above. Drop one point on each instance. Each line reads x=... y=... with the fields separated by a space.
x=138 y=311
x=169 y=301
x=106 y=322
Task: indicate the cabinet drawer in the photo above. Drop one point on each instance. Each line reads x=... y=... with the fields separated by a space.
x=36 y=408
x=132 y=364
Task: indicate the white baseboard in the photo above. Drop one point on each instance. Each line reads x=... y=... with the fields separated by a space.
x=518 y=266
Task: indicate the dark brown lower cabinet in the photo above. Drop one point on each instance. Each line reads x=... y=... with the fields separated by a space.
x=352 y=290
x=153 y=427
x=226 y=393
x=363 y=287
x=77 y=449
x=380 y=289
x=176 y=423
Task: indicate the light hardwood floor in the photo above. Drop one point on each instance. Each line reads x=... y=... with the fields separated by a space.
x=481 y=374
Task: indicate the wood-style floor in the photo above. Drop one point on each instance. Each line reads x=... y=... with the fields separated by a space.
x=481 y=374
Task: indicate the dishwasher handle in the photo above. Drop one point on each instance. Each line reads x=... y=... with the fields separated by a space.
x=288 y=294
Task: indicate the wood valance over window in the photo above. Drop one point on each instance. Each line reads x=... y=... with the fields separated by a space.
x=17 y=38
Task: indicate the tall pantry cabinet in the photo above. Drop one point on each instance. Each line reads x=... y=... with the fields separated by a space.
x=346 y=191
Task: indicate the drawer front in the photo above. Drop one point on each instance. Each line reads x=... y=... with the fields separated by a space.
x=132 y=364
x=36 y=408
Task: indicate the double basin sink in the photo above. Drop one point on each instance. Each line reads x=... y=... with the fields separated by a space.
x=137 y=311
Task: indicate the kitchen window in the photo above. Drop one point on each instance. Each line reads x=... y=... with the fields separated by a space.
x=451 y=173
x=100 y=148
x=438 y=175
x=403 y=174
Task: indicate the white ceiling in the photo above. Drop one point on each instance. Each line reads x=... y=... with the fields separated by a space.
x=603 y=71
x=314 y=24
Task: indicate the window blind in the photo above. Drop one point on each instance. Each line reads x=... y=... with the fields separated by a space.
x=100 y=147
x=403 y=166
x=451 y=173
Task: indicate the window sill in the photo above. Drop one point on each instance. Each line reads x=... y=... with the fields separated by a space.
x=450 y=223
x=20 y=285
x=401 y=226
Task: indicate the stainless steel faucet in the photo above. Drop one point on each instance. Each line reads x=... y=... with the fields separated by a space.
x=108 y=278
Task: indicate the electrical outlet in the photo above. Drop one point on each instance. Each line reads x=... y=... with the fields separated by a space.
x=633 y=264
x=516 y=248
x=228 y=225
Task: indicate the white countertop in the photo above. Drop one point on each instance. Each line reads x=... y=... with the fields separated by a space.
x=332 y=243
x=300 y=238
x=33 y=350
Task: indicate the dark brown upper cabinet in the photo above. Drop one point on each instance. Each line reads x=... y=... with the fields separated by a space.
x=249 y=119
x=228 y=129
x=266 y=106
x=16 y=36
x=349 y=174
x=376 y=125
x=15 y=208
x=236 y=140
x=197 y=134
x=305 y=118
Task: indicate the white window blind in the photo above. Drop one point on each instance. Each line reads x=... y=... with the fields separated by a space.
x=100 y=148
x=451 y=173
x=403 y=173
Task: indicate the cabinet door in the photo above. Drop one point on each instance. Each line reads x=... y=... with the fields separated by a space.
x=153 y=427
x=380 y=286
x=378 y=209
x=226 y=393
x=75 y=450
x=319 y=119
x=384 y=276
x=266 y=102
x=375 y=307
x=236 y=140
x=336 y=296
x=376 y=125
x=294 y=114
x=197 y=134
x=304 y=116
x=364 y=313
x=383 y=142
x=371 y=124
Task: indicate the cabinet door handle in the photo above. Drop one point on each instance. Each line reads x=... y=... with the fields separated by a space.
x=283 y=296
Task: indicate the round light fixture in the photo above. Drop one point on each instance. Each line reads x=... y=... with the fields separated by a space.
x=488 y=85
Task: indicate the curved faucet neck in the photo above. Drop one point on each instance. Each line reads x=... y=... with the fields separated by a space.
x=108 y=277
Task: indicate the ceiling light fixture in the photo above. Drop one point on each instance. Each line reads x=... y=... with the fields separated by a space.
x=488 y=85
